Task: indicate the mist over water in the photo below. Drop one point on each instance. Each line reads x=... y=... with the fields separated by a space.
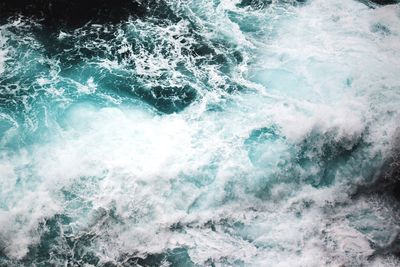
x=203 y=133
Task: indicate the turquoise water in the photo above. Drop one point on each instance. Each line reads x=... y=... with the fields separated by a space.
x=209 y=133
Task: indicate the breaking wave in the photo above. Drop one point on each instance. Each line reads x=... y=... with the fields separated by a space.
x=203 y=133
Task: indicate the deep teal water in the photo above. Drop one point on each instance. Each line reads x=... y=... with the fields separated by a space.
x=208 y=133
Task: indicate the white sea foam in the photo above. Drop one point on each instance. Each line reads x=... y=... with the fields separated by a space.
x=3 y=52
x=129 y=176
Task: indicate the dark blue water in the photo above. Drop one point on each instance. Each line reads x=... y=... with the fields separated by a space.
x=202 y=133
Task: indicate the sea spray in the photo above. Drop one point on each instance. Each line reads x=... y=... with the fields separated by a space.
x=213 y=133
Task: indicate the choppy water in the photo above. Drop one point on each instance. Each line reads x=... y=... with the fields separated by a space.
x=208 y=133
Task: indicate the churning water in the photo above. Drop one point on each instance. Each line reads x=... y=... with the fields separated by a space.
x=204 y=133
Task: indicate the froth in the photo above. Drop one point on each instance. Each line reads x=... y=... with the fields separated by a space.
x=262 y=176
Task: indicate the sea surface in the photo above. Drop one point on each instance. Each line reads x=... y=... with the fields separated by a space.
x=203 y=133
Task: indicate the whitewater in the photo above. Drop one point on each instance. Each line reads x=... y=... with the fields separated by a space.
x=206 y=133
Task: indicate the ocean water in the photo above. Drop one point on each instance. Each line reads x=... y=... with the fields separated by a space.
x=206 y=133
